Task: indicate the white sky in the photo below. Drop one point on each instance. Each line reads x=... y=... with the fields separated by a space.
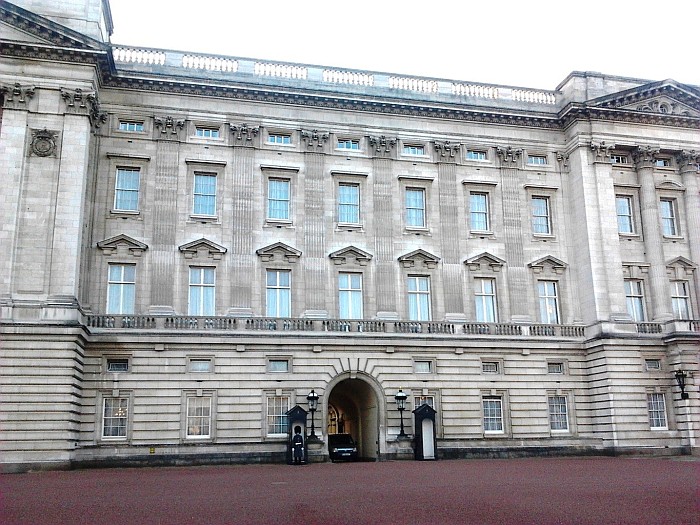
x=534 y=43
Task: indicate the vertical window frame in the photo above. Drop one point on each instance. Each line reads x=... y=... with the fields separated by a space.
x=279 y=204
x=350 y=294
x=419 y=300
x=559 y=413
x=349 y=204
x=127 y=195
x=635 y=300
x=199 y=418
x=485 y=301
x=122 y=410
x=680 y=300
x=541 y=221
x=657 y=411
x=198 y=302
x=275 y=425
x=624 y=208
x=668 y=210
x=278 y=295
x=123 y=286
x=547 y=300
x=493 y=415
x=204 y=194
x=415 y=212
x=479 y=216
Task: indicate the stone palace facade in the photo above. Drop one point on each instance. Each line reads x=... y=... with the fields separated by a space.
x=191 y=244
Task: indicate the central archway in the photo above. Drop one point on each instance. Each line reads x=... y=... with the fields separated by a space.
x=353 y=407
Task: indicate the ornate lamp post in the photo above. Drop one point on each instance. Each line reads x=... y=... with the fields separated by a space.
x=312 y=398
x=401 y=405
x=681 y=376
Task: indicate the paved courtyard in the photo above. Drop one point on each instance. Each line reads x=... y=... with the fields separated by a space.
x=578 y=491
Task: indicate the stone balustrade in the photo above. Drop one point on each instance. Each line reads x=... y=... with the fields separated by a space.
x=330 y=76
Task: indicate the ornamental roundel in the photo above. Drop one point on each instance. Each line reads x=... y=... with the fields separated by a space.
x=44 y=143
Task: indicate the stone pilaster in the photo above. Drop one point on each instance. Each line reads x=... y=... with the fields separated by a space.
x=518 y=289
x=644 y=158
x=688 y=162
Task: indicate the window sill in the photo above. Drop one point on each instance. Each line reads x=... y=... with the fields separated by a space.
x=278 y=223
x=213 y=219
x=543 y=237
x=415 y=230
x=673 y=238
x=349 y=227
x=125 y=213
x=629 y=235
x=475 y=234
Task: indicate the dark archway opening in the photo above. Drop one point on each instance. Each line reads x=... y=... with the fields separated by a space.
x=353 y=409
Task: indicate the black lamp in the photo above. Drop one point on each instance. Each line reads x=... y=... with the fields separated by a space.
x=681 y=376
x=401 y=405
x=312 y=398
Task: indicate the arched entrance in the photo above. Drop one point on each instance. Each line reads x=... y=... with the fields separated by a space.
x=353 y=408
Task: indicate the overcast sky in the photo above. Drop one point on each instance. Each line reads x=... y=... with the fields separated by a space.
x=534 y=43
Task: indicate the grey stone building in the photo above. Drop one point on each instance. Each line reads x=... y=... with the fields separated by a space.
x=191 y=244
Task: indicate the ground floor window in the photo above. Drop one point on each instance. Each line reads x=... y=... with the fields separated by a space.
x=493 y=414
x=656 y=404
x=115 y=416
x=277 y=408
x=198 y=417
x=558 y=414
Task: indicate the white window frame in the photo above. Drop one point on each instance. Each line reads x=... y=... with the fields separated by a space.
x=537 y=216
x=204 y=195
x=634 y=298
x=414 y=150
x=348 y=144
x=558 y=411
x=548 y=302
x=279 y=139
x=131 y=126
x=493 y=419
x=537 y=160
x=656 y=409
x=556 y=367
x=281 y=293
x=415 y=213
x=279 y=207
x=349 y=209
x=122 y=364
x=476 y=155
x=424 y=365
x=483 y=214
x=121 y=411
x=199 y=289
x=121 y=289
x=276 y=419
x=668 y=209
x=652 y=365
x=680 y=299
x=122 y=190
x=199 y=418
x=619 y=159
x=350 y=293
x=491 y=366
x=663 y=162
x=207 y=132
x=625 y=217
x=487 y=299
x=419 y=299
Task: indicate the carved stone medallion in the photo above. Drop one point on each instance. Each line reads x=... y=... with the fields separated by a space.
x=44 y=143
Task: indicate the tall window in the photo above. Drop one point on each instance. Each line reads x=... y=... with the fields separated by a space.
x=669 y=221
x=126 y=195
x=198 y=417
x=493 y=414
x=418 y=298
x=349 y=203
x=485 y=296
x=558 y=414
x=625 y=222
x=479 y=212
x=415 y=207
x=277 y=407
x=278 y=199
x=541 y=219
x=350 y=295
x=549 y=302
x=656 y=403
x=680 y=298
x=121 y=288
x=115 y=415
x=279 y=293
x=634 y=293
x=202 y=291
x=204 y=194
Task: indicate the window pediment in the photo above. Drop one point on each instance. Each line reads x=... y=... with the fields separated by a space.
x=350 y=254
x=484 y=260
x=548 y=263
x=278 y=251
x=194 y=249
x=667 y=97
x=111 y=246
x=419 y=258
x=680 y=267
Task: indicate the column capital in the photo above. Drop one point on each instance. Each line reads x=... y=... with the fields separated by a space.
x=383 y=146
x=79 y=102
x=314 y=138
x=16 y=96
x=168 y=127
x=602 y=151
x=448 y=151
x=244 y=135
x=508 y=155
x=645 y=156
x=688 y=160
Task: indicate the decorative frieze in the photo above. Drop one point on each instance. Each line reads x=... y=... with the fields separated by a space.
x=447 y=151
x=168 y=127
x=79 y=102
x=509 y=156
x=244 y=135
x=314 y=138
x=383 y=146
x=44 y=143
x=16 y=96
x=602 y=151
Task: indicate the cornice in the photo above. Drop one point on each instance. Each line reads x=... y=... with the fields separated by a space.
x=576 y=112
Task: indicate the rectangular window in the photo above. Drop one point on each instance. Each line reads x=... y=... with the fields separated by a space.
x=485 y=297
x=121 y=289
x=537 y=160
x=203 y=365
x=476 y=155
x=680 y=298
x=656 y=404
x=202 y=291
x=663 y=163
x=415 y=207
x=198 y=417
x=558 y=414
x=277 y=408
x=423 y=367
x=634 y=293
x=208 y=133
x=350 y=295
x=479 y=212
x=490 y=367
x=619 y=159
x=549 y=302
x=423 y=400
x=279 y=138
x=278 y=365
x=278 y=198
x=115 y=415
x=555 y=368
x=669 y=222
x=126 y=193
x=279 y=293
x=493 y=414
x=625 y=222
x=120 y=364
x=419 y=298
x=349 y=203
x=652 y=365
x=541 y=221
x=412 y=149
x=204 y=194
x=348 y=144
x=130 y=125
